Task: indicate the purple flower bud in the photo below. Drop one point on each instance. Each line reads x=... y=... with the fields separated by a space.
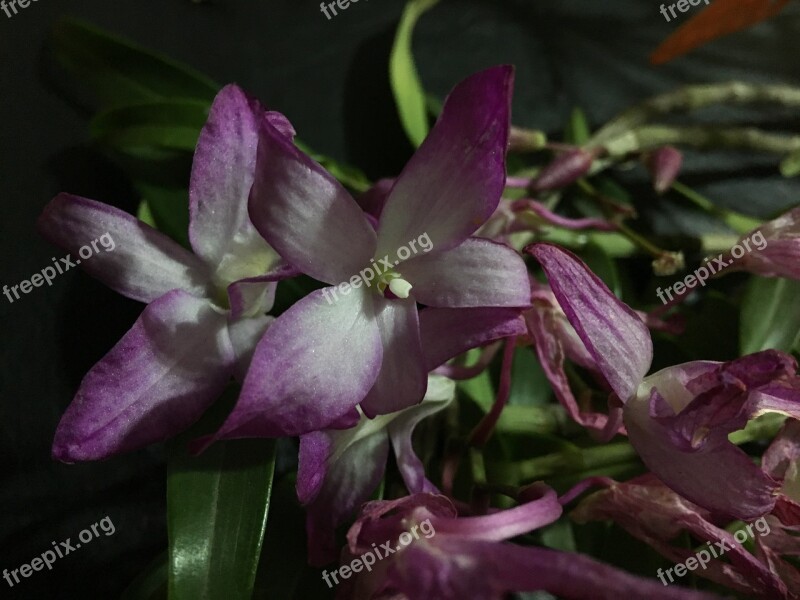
x=665 y=164
x=564 y=170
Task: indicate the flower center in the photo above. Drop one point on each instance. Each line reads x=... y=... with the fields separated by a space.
x=396 y=284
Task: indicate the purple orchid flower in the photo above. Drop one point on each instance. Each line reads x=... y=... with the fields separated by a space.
x=678 y=419
x=359 y=343
x=427 y=551
x=656 y=515
x=339 y=469
x=775 y=251
x=205 y=311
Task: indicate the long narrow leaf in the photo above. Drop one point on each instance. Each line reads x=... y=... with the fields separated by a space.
x=120 y=72
x=217 y=507
x=406 y=85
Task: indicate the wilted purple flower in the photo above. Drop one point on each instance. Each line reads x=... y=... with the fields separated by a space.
x=206 y=310
x=469 y=557
x=320 y=359
x=678 y=419
x=656 y=515
x=555 y=340
x=775 y=251
x=664 y=164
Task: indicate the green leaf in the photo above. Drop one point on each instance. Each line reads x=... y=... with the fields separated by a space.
x=409 y=94
x=217 y=507
x=145 y=129
x=770 y=315
x=578 y=131
x=120 y=72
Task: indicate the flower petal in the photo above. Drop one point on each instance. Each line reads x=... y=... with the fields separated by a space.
x=305 y=214
x=717 y=476
x=454 y=181
x=447 y=332
x=143 y=263
x=245 y=334
x=543 y=325
x=441 y=391
x=487 y=571
x=255 y=295
x=615 y=336
x=338 y=472
x=316 y=362
x=657 y=516
x=158 y=379
x=222 y=175
x=477 y=273
x=402 y=378
x=504 y=524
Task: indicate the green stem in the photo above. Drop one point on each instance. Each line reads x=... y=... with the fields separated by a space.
x=704 y=137
x=736 y=221
x=693 y=97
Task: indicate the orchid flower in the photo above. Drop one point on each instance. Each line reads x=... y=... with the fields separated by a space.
x=654 y=514
x=339 y=469
x=205 y=310
x=470 y=557
x=359 y=343
x=678 y=419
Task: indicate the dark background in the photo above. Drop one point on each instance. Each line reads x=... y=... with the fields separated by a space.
x=330 y=78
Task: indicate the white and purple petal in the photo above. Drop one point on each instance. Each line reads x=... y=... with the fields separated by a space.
x=316 y=362
x=305 y=214
x=454 y=181
x=337 y=472
x=478 y=273
x=222 y=175
x=615 y=336
x=142 y=263
x=441 y=391
x=402 y=378
x=157 y=381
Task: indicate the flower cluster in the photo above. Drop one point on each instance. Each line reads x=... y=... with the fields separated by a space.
x=354 y=378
